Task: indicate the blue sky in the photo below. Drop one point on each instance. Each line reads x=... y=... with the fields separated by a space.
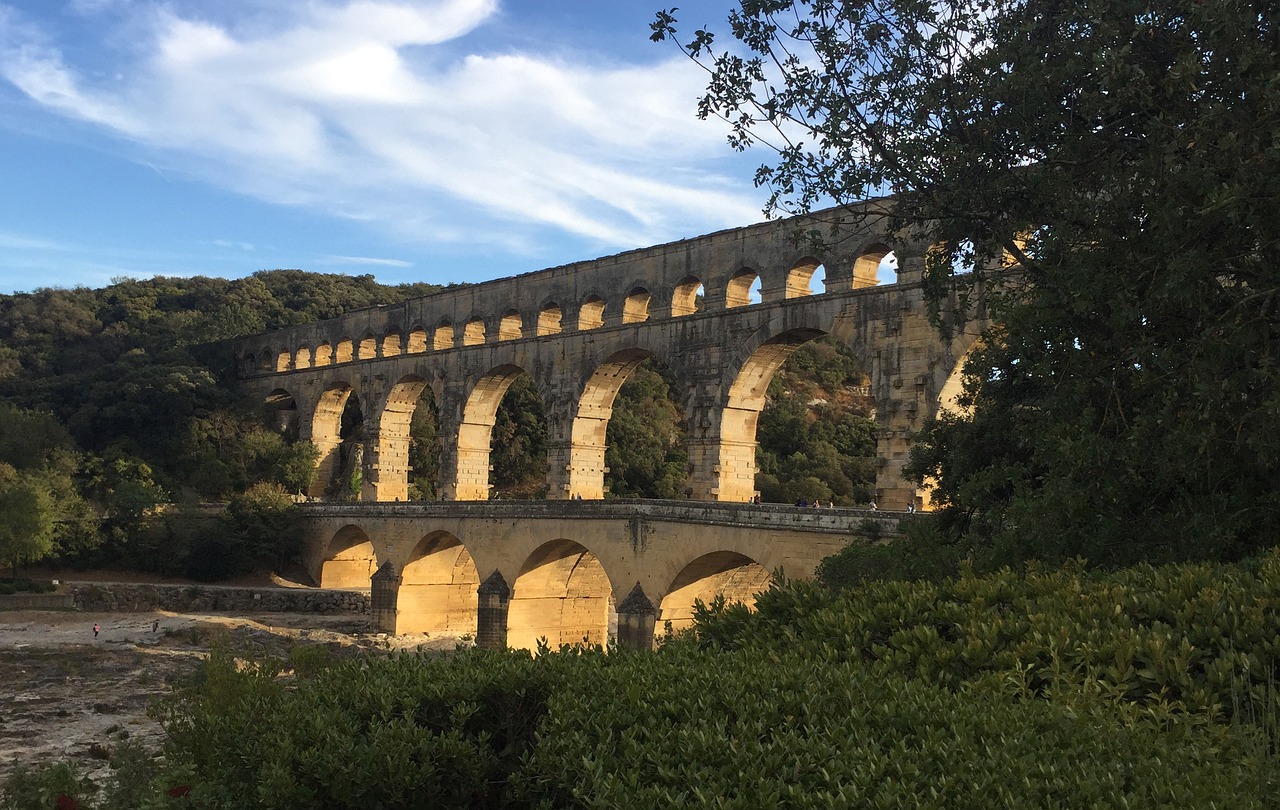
x=417 y=140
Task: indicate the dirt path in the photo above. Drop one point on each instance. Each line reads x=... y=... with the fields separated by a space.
x=65 y=694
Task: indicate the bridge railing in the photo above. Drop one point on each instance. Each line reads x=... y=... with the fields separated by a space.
x=756 y=516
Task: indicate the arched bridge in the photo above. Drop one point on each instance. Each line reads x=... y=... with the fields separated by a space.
x=511 y=572
x=581 y=329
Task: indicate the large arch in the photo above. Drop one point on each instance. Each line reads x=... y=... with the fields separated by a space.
x=734 y=576
x=562 y=594
x=591 y=422
x=471 y=479
x=391 y=481
x=349 y=560
x=740 y=415
x=326 y=433
x=439 y=589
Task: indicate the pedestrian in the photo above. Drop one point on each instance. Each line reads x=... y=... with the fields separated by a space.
x=96 y=628
x=911 y=508
x=873 y=506
x=155 y=625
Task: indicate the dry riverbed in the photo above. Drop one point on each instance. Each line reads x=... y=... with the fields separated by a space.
x=65 y=695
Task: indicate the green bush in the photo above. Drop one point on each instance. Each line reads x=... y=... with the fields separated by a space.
x=688 y=730
x=1192 y=637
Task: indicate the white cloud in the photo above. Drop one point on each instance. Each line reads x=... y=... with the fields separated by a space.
x=376 y=111
x=363 y=260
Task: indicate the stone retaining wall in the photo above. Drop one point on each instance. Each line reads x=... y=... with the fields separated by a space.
x=131 y=598
x=36 y=601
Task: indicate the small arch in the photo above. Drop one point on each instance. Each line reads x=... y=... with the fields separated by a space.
x=473 y=332
x=738 y=292
x=591 y=313
x=302 y=359
x=391 y=344
x=343 y=353
x=284 y=360
x=687 y=298
x=249 y=363
x=442 y=338
x=511 y=327
x=267 y=361
x=549 y=319
x=324 y=355
x=439 y=589
x=417 y=341
x=874 y=264
x=636 y=307
x=736 y=577
x=562 y=594
x=800 y=277
x=349 y=560
x=368 y=348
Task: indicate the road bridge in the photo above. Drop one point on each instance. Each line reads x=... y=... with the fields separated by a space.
x=511 y=572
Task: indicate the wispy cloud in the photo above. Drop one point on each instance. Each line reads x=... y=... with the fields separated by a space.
x=385 y=112
x=362 y=260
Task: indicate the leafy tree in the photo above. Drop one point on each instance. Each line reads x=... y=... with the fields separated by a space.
x=1106 y=175
x=646 y=453
x=26 y=519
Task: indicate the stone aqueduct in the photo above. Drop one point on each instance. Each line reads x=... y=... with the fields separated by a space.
x=579 y=331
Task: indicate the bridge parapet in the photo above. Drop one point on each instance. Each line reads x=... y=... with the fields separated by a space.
x=821 y=520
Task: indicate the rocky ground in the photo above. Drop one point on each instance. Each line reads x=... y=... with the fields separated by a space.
x=66 y=695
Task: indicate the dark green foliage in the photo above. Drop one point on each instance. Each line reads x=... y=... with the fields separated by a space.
x=816 y=441
x=424 y=449
x=1177 y=638
x=519 y=441
x=920 y=552
x=646 y=454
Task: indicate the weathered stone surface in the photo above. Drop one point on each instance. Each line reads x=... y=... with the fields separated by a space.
x=579 y=331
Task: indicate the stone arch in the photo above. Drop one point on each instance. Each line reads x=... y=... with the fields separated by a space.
x=866 y=268
x=549 y=319
x=741 y=412
x=591 y=313
x=284 y=360
x=473 y=332
x=349 y=560
x=267 y=361
x=511 y=327
x=800 y=276
x=734 y=576
x=442 y=337
x=471 y=481
x=563 y=594
x=438 y=588
x=368 y=348
x=417 y=340
x=390 y=344
x=591 y=422
x=324 y=354
x=302 y=358
x=391 y=449
x=737 y=292
x=685 y=299
x=635 y=309
x=249 y=363
x=343 y=353
x=326 y=427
